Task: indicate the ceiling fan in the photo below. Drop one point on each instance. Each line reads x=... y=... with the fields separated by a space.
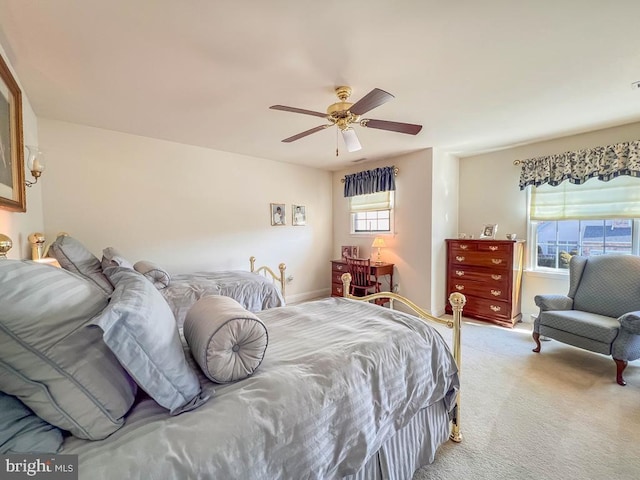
x=344 y=114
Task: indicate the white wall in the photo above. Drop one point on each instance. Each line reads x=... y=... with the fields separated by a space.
x=409 y=248
x=18 y=226
x=489 y=193
x=185 y=207
x=444 y=222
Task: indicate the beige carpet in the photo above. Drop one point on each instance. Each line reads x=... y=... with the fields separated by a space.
x=554 y=415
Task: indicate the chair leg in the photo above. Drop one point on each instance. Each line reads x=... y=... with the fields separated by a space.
x=620 y=366
x=536 y=338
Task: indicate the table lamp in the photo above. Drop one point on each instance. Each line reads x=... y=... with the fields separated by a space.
x=378 y=243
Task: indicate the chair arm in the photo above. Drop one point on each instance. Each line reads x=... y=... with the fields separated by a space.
x=553 y=302
x=631 y=322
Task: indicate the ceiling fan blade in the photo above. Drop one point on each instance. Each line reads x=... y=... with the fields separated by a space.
x=298 y=110
x=351 y=140
x=371 y=100
x=305 y=133
x=409 y=128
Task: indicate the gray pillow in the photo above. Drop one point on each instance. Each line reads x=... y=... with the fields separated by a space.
x=154 y=273
x=52 y=358
x=140 y=329
x=22 y=431
x=113 y=258
x=226 y=340
x=74 y=256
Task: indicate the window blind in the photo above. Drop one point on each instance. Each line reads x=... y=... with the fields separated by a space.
x=594 y=199
x=372 y=201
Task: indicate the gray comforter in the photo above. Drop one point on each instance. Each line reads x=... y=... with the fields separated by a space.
x=254 y=292
x=338 y=379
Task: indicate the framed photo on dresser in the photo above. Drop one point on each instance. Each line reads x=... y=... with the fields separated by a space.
x=489 y=230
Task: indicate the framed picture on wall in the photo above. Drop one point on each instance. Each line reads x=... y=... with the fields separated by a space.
x=278 y=214
x=299 y=214
x=12 y=187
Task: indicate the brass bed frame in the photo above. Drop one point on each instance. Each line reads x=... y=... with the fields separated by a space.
x=457 y=301
x=266 y=271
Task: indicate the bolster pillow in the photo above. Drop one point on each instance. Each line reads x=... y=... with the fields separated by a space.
x=152 y=272
x=227 y=341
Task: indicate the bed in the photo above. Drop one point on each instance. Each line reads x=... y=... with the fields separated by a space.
x=345 y=389
x=257 y=289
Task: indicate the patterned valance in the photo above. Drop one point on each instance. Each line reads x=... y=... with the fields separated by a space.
x=370 y=181
x=604 y=163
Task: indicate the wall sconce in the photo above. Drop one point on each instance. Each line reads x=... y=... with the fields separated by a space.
x=5 y=245
x=34 y=164
x=378 y=243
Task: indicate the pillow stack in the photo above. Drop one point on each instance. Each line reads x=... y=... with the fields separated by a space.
x=52 y=358
x=75 y=348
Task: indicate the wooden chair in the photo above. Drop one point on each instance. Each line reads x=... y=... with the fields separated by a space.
x=361 y=282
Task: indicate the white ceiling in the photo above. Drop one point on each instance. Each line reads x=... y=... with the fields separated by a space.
x=478 y=75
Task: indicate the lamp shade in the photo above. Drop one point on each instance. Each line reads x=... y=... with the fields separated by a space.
x=378 y=242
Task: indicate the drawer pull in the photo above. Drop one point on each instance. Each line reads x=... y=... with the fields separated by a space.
x=496 y=277
x=460 y=258
x=463 y=247
x=460 y=273
x=339 y=267
x=496 y=261
x=496 y=293
x=495 y=308
x=493 y=248
x=459 y=287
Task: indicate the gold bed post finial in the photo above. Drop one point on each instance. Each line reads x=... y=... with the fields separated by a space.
x=252 y=261
x=346 y=284
x=457 y=301
x=5 y=245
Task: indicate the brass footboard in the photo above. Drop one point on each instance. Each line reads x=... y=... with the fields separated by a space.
x=457 y=301
x=266 y=270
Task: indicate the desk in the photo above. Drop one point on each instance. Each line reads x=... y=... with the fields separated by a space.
x=338 y=267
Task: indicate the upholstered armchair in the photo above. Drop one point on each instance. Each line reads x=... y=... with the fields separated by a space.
x=601 y=312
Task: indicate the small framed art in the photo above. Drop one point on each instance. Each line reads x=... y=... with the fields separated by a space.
x=299 y=215
x=350 y=251
x=278 y=214
x=489 y=230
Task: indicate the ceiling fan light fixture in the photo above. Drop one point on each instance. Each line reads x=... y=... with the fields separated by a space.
x=351 y=140
x=343 y=114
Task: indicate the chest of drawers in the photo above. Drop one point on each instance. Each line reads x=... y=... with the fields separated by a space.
x=489 y=274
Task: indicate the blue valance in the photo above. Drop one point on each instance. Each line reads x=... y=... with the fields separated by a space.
x=603 y=163
x=370 y=181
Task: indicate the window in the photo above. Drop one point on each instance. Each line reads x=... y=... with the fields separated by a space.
x=595 y=218
x=372 y=213
x=558 y=240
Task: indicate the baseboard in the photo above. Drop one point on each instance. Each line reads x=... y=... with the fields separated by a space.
x=303 y=297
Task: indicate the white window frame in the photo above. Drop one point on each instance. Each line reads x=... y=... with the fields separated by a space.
x=352 y=214
x=532 y=250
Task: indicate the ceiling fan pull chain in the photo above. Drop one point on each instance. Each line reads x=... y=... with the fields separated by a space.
x=337 y=142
